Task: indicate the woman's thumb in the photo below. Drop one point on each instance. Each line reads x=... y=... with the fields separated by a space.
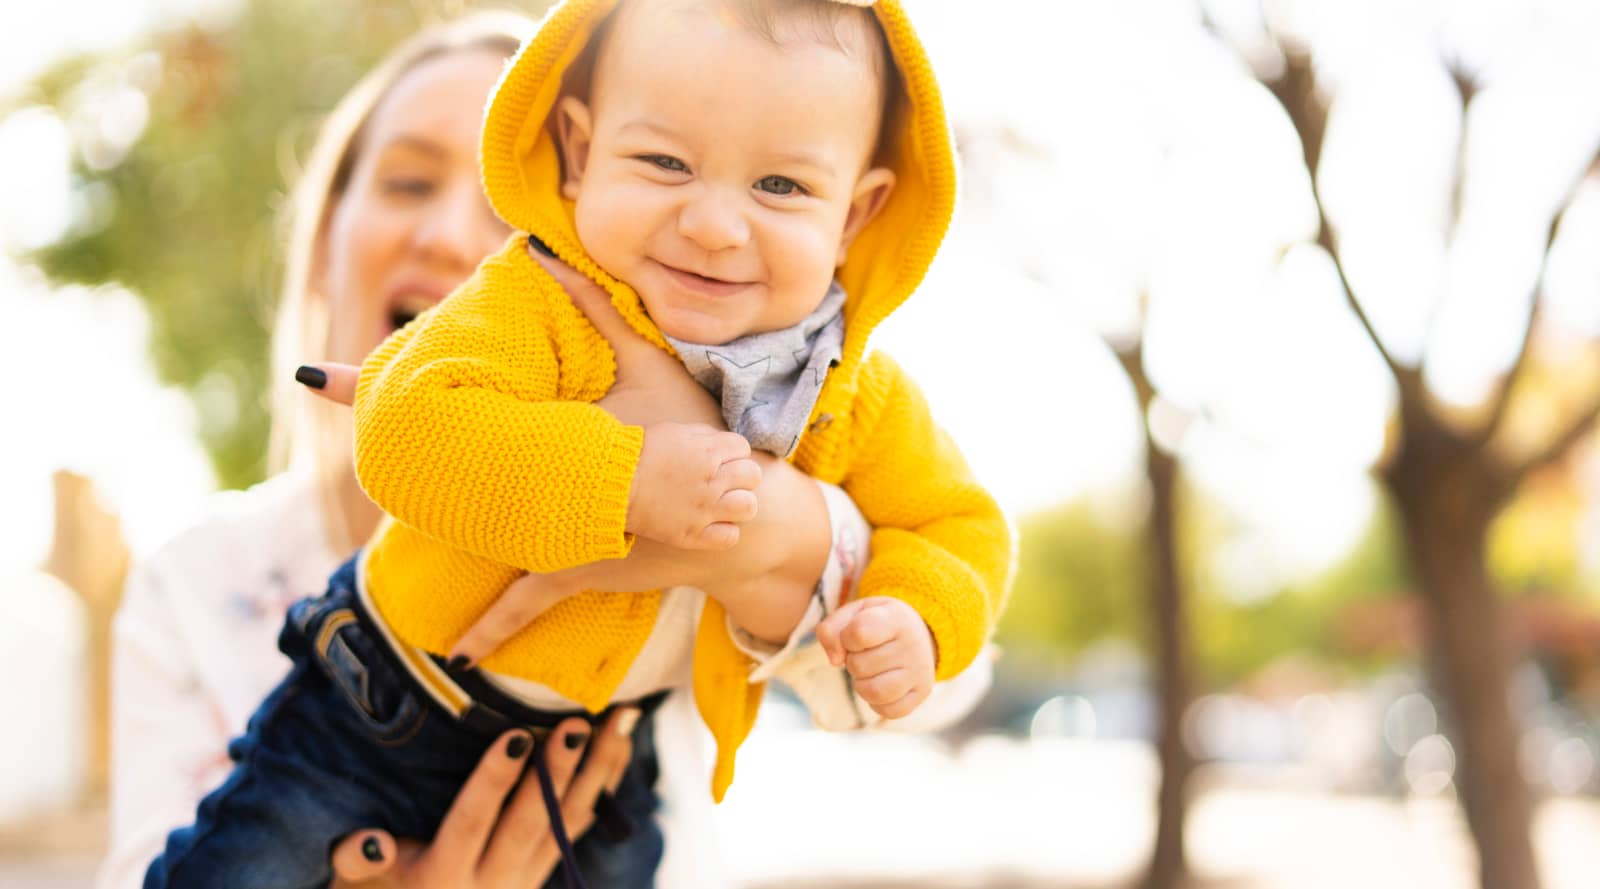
x=362 y=856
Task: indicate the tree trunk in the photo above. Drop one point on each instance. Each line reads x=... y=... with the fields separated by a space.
x=1168 y=862
x=1446 y=503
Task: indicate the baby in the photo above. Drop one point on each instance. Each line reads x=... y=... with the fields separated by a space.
x=756 y=185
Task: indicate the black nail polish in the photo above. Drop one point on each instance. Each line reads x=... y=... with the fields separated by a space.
x=517 y=747
x=541 y=246
x=575 y=740
x=306 y=375
x=372 y=850
x=458 y=663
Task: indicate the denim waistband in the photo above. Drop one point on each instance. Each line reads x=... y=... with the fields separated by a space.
x=466 y=694
x=477 y=705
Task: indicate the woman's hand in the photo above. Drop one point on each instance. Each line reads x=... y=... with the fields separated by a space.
x=495 y=837
x=651 y=386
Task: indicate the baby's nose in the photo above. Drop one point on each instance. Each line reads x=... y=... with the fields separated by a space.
x=713 y=221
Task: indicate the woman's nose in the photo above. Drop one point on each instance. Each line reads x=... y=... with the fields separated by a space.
x=458 y=229
x=712 y=220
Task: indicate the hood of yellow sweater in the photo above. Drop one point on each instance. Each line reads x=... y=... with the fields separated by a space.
x=885 y=263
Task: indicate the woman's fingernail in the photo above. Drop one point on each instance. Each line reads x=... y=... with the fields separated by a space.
x=574 y=740
x=306 y=375
x=458 y=663
x=372 y=850
x=627 y=718
x=541 y=246
x=517 y=747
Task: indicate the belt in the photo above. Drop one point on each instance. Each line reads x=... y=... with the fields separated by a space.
x=477 y=704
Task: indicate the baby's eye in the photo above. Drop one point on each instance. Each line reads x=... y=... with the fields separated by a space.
x=666 y=162
x=778 y=185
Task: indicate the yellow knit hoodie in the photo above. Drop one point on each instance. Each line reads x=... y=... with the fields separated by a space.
x=477 y=433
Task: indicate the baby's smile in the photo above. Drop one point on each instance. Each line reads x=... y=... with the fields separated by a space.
x=703 y=285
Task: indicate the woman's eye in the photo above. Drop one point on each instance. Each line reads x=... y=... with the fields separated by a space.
x=779 y=185
x=407 y=186
x=666 y=162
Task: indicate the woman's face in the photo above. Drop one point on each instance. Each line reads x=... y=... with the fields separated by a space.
x=412 y=222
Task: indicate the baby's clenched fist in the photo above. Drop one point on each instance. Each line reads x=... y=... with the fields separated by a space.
x=693 y=487
x=887 y=649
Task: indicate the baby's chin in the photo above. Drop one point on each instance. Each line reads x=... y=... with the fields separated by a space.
x=690 y=326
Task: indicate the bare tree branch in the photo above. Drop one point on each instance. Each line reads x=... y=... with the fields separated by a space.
x=1558 y=447
x=1402 y=375
x=1466 y=89
x=1502 y=397
x=1296 y=91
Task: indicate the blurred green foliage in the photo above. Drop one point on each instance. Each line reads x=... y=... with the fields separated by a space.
x=187 y=217
x=1080 y=580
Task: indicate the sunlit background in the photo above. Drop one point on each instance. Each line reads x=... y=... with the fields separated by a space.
x=1130 y=183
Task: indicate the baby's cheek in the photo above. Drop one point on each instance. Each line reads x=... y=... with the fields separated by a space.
x=801 y=265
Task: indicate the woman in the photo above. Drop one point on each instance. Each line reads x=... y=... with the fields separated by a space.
x=387 y=218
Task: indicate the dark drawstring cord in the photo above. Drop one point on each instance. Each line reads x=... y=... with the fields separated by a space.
x=558 y=825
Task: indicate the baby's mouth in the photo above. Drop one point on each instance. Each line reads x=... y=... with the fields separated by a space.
x=704 y=284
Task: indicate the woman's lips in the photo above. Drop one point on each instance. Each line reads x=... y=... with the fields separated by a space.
x=407 y=303
x=700 y=284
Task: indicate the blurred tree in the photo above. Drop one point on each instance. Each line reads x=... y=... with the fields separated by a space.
x=185 y=146
x=1450 y=477
x=1167 y=606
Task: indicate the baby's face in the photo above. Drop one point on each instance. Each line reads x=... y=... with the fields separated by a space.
x=720 y=176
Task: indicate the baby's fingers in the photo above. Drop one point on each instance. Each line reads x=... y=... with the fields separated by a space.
x=873 y=625
x=715 y=536
x=903 y=706
x=881 y=659
x=736 y=506
x=523 y=601
x=886 y=688
x=832 y=627
x=742 y=474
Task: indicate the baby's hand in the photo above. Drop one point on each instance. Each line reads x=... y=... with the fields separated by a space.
x=693 y=487
x=887 y=648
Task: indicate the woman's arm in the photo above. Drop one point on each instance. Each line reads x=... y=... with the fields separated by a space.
x=167 y=740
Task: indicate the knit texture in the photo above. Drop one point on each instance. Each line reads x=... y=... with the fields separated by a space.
x=476 y=432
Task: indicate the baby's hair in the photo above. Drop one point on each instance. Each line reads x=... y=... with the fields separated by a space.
x=851 y=29
x=846 y=27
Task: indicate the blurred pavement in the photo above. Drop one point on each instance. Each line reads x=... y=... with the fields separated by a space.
x=814 y=810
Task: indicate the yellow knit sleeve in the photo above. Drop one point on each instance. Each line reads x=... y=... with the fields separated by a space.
x=940 y=541
x=461 y=434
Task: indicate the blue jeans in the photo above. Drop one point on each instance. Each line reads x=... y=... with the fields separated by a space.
x=348 y=741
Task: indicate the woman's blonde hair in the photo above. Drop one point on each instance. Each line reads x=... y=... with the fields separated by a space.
x=307 y=432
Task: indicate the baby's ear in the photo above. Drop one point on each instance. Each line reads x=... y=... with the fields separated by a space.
x=871 y=193
x=574 y=129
